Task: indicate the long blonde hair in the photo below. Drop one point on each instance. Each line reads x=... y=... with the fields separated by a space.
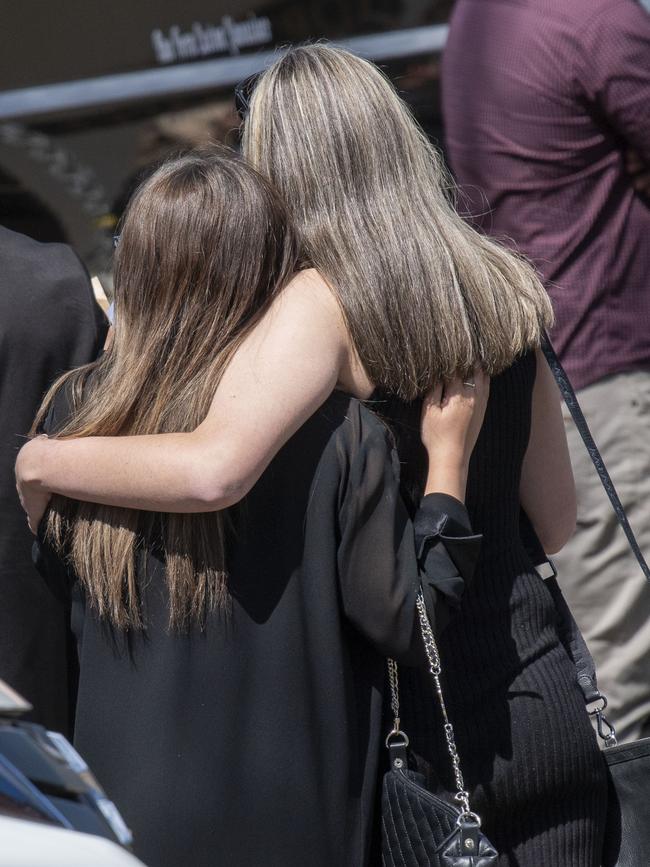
x=205 y=246
x=424 y=295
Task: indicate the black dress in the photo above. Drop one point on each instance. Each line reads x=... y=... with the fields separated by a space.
x=528 y=752
x=257 y=740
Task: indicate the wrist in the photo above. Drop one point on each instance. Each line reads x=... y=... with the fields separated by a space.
x=447 y=451
x=30 y=463
x=446 y=479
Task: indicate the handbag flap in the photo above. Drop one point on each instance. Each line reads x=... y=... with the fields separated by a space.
x=627 y=752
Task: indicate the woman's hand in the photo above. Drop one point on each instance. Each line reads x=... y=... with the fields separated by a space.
x=33 y=498
x=452 y=417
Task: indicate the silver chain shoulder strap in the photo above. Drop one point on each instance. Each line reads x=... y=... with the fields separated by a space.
x=433 y=657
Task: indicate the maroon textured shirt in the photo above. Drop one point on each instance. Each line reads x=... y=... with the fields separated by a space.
x=540 y=100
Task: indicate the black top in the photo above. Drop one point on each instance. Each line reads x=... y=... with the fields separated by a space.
x=257 y=740
x=527 y=750
x=49 y=322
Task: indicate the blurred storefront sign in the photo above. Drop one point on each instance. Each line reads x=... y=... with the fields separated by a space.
x=203 y=40
x=91 y=93
x=71 y=40
x=74 y=39
x=111 y=91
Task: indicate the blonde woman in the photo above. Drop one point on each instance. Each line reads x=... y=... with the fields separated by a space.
x=399 y=294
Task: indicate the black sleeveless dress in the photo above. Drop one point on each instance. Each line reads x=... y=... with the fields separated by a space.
x=528 y=752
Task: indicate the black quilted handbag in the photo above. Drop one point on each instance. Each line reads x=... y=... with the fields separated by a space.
x=419 y=828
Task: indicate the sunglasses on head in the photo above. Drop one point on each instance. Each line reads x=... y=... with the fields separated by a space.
x=243 y=93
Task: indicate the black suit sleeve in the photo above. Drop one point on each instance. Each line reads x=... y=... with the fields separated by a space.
x=48 y=563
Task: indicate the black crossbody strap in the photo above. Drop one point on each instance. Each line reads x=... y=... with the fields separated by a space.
x=575 y=645
x=571 y=401
x=568 y=630
x=576 y=648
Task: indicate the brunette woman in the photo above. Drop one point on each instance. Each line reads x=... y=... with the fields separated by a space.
x=231 y=664
x=402 y=294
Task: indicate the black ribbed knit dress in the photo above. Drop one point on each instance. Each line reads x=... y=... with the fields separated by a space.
x=528 y=752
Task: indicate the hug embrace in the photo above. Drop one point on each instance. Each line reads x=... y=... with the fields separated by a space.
x=324 y=412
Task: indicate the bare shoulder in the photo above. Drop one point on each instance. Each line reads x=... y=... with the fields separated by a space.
x=303 y=320
x=309 y=291
x=305 y=328
x=294 y=355
x=312 y=279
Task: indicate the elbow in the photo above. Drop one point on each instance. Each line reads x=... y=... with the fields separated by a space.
x=554 y=534
x=217 y=483
x=555 y=541
x=211 y=491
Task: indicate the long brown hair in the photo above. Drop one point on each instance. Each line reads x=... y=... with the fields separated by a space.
x=205 y=246
x=424 y=295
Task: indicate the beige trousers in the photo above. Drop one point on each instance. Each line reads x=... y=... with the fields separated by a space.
x=599 y=576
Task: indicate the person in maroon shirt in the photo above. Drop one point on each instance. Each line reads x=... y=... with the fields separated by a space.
x=546 y=106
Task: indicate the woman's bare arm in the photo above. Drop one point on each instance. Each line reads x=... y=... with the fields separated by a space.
x=283 y=372
x=547 y=489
